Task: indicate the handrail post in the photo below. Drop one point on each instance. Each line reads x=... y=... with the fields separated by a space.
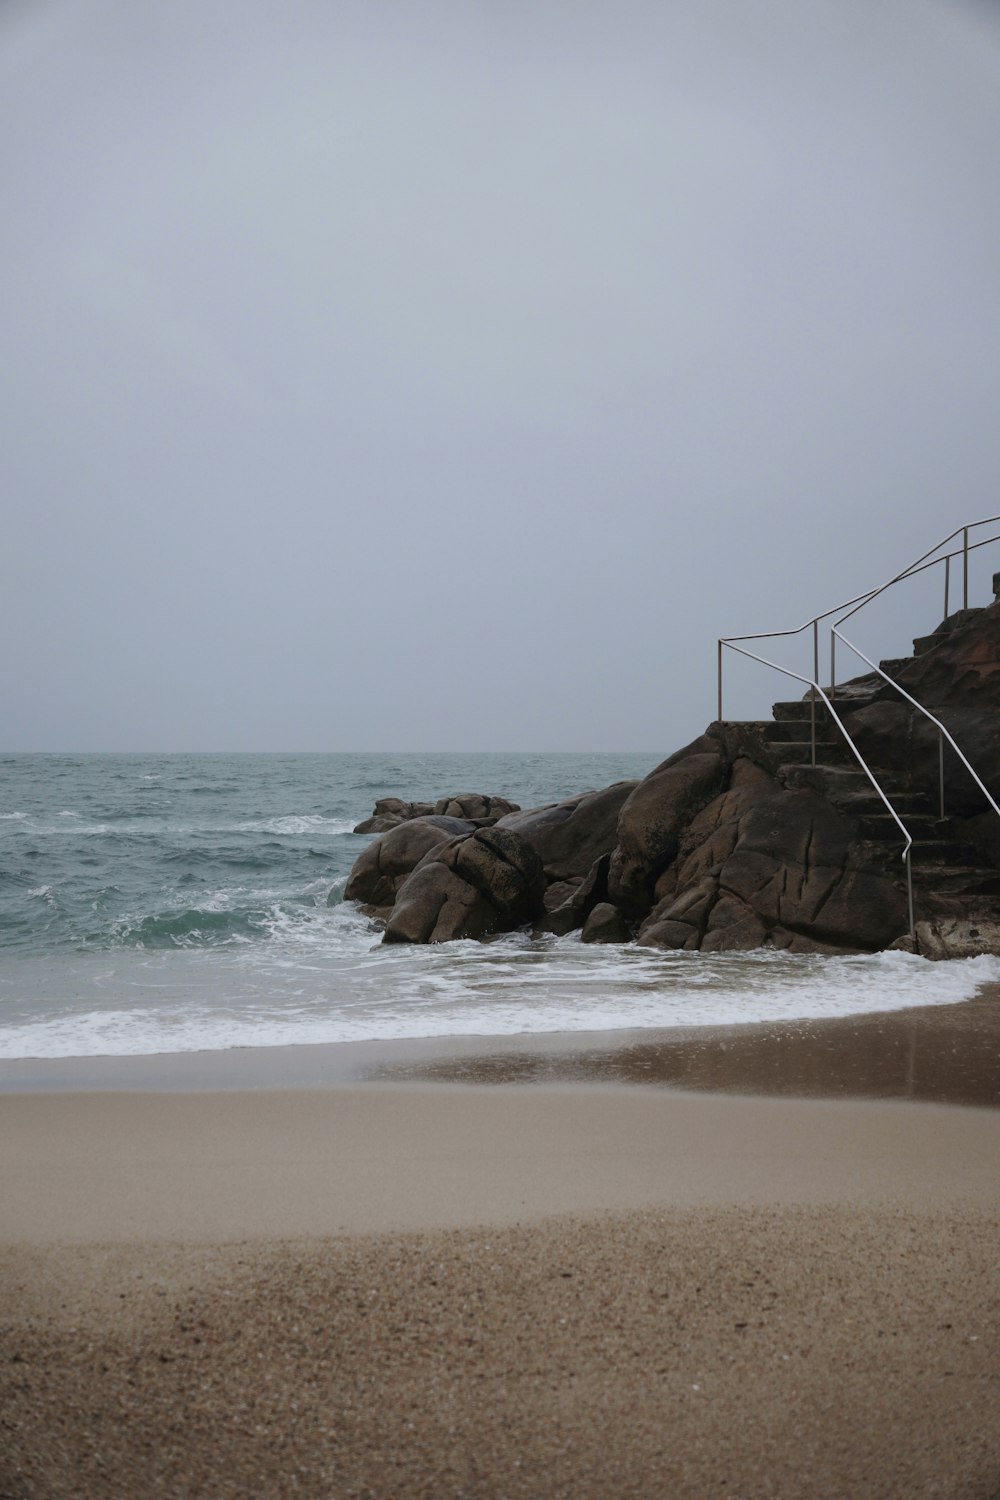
x=965 y=568
x=941 y=771
x=947 y=582
x=833 y=663
x=909 y=895
x=719 y=677
x=812 y=690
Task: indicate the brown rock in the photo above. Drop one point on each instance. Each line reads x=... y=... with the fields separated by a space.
x=654 y=817
x=570 y=836
x=381 y=868
x=476 y=806
x=762 y=860
x=582 y=898
x=389 y=812
x=488 y=881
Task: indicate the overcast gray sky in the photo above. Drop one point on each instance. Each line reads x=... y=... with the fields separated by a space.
x=390 y=375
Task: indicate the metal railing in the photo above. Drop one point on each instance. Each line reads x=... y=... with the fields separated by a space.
x=934 y=557
x=816 y=689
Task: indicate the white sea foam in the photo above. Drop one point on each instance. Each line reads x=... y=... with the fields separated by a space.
x=298 y=823
x=350 y=989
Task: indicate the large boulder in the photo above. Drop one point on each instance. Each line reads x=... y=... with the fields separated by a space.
x=653 y=817
x=381 y=868
x=570 y=836
x=488 y=881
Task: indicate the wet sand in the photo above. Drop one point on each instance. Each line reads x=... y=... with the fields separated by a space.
x=410 y=1288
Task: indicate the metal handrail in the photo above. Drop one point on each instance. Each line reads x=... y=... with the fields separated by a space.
x=943 y=733
x=907 y=837
x=920 y=565
x=854 y=606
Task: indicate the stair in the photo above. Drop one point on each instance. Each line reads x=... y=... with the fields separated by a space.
x=947 y=868
x=925 y=643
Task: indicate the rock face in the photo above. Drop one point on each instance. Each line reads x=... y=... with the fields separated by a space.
x=487 y=881
x=764 y=862
x=653 y=818
x=475 y=807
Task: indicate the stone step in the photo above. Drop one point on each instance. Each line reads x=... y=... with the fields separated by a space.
x=952 y=622
x=957 y=880
x=798 y=709
x=936 y=855
x=924 y=826
x=944 y=853
x=893 y=665
x=866 y=802
x=835 y=782
x=924 y=643
x=781 y=731
x=828 y=753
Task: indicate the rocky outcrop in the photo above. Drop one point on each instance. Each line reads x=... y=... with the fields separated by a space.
x=485 y=882
x=739 y=840
x=570 y=841
x=475 y=807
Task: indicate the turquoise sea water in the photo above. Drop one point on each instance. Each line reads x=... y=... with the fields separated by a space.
x=164 y=903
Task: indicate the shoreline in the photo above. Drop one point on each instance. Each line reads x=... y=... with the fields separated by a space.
x=946 y=1053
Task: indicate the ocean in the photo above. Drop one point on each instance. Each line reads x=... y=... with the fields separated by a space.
x=183 y=903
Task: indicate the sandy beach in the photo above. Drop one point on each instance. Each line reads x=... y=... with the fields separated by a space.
x=404 y=1288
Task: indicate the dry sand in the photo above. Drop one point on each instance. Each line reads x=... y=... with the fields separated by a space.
x=440 y=1290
